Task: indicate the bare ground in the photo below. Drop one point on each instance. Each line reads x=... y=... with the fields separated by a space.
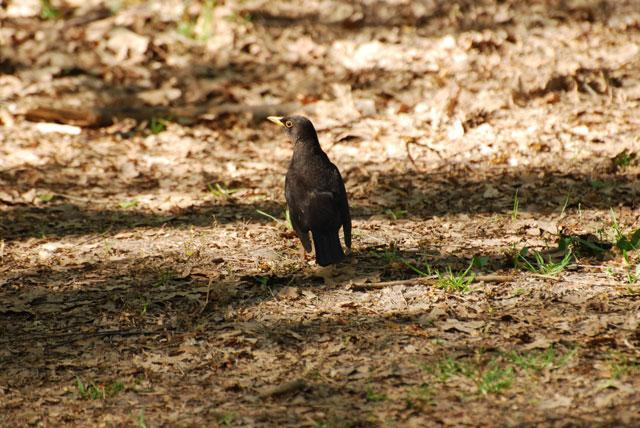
x=142 y=284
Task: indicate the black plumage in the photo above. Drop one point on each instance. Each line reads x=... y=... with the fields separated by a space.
x=315 y=193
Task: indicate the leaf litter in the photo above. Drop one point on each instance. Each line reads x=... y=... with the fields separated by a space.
x=142 y=283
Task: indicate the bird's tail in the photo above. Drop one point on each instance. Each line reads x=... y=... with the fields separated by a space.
x=328 y=248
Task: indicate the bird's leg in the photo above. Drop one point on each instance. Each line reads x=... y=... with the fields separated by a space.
x=303 y=255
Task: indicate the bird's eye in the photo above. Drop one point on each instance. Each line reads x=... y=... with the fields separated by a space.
x=288 y=124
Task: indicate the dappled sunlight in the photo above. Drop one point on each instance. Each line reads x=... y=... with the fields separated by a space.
x=149 y=274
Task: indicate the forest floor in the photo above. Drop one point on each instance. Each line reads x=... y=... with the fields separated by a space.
x=490 y=151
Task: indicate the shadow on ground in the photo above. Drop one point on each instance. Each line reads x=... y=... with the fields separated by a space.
x=133 y=324
x=61 y=305
x=421 y=195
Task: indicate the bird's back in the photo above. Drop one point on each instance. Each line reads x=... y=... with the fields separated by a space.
x=312 y=185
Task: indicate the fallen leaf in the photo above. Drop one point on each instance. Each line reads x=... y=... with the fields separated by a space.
x=490 y=192
x=469 y=327
x=555 y=402
x=289 y=293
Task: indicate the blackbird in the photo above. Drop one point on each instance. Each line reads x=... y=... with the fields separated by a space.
x=315 y=193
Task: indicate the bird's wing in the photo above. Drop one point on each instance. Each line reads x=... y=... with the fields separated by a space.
x=321 y=211
x=343 y=205
x=295 y=201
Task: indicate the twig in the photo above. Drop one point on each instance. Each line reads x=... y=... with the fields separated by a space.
x=541 y=276
x=71 y=197
x=409 y=141
x=426 y=280
x=91 y=16
x=206 y=300
x=493 y=278
x=407 y=145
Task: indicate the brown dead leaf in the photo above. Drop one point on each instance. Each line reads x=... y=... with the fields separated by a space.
x=289 y=293
x=539 y=343
x=468 y=327
x=556 y=402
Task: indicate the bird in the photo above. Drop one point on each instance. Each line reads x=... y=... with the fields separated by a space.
x=315 y=193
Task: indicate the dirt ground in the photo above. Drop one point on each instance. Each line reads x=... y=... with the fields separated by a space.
x=490 y=152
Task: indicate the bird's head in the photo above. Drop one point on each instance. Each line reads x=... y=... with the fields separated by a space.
x=297 y=128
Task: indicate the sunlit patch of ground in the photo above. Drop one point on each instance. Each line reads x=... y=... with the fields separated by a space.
x=490 y=151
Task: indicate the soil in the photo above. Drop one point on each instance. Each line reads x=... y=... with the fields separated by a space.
x=148 y=276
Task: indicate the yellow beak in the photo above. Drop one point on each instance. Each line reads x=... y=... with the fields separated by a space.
x=276 y=119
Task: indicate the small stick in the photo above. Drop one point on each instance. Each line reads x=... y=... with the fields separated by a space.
x=206 y=300
x=493 y=278
x=426 y=280
x=541 y=276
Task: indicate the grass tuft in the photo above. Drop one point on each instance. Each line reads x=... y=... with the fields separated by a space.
x=226 y=419
x=539 y=265
x=94 y=391
x=419 y=396
x=538 y=360
x=494 y=375
x=460 y=282
x=396 y=214
x=202 y=27
x=48 y=11
x=164 y=277
x=494 y=379
x=374 y=397
x=621 y=366
x=157 y=125
x=140 y=422
x=46 y=197
x=623 y=160
x=125 y=205
x=286 y=221
x=221 y=191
